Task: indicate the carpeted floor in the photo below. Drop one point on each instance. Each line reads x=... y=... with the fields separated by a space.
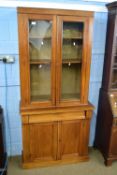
x=95 y=166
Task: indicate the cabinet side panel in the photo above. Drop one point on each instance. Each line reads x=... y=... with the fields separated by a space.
x=104 y=124
x=26 y=150
x=84 y=137
x=23 y=52
x=88 y=53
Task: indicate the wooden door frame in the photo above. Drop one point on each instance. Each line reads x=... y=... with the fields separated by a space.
x=85 y=71
x=25 y=72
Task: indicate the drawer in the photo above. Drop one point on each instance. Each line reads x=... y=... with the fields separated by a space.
x=56 y=117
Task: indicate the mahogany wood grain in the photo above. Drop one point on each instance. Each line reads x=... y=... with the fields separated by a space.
x=107 y=71
x=2 y=150
x=106 y=129
x=113 y=142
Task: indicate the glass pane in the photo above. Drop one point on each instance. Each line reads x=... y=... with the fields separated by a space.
x=115 y=59
x=113 y=102
x=114 y=68
x=40 y=40
x=115 y=53
x=114 y=79
x=71 y=75
x=72 y=46
x=72 y=29
x=72 y=49
x=40 y=82
x=40 y=48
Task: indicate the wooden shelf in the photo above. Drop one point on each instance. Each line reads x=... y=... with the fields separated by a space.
x=49 y=37
x=71 y=38
x=70 y=96
x=40 y=37
x=40 y=61
x=40 y=98
x=72 y=61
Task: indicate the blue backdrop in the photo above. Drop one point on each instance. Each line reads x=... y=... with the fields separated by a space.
x=9 y=73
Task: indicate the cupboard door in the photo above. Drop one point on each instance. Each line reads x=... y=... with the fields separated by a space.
x=43 y=141
x=40 y=42
x=69 y=139
x=72 y=58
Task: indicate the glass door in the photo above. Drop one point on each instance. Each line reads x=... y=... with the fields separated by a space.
x=114 y=66
x=72 y=58
x=41 y=60
x=113 y=75
x=72 y=42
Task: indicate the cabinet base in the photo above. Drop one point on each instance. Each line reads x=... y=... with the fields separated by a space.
x=108 y=160
x=35 y=164
x=55 y=138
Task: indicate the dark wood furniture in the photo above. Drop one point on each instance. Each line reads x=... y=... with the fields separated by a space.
x=3 y=154
x=55 y=52
x=1 y=137
x=106 y=131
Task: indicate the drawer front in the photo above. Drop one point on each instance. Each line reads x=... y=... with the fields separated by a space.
x=56 y=117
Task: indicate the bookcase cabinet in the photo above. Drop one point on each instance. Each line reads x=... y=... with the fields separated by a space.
x=55 y=52
x=106 y=130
